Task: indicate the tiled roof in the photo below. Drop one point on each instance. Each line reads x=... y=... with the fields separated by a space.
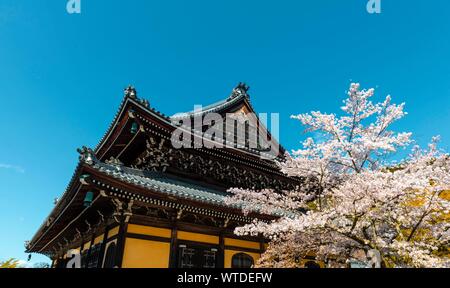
x=163 y=183
x=171 y=186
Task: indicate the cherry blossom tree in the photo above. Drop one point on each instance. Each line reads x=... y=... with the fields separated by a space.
x=353 y=198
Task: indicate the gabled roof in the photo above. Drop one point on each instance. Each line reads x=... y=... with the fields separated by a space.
x=130 y=99
x=239 y=94
x=238 y=99
x=132 y=110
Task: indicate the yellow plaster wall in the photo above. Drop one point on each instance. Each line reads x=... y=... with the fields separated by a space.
x=98 y=240
x=203 y=238
x=242 y=243
x=86 y=245
x=229 y=255
x=145 y=254
x=114 y=231
x=148 y=230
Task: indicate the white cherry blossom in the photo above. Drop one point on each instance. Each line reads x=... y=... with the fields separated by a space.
x=353 y=199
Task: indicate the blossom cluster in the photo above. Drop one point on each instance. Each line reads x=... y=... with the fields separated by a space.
x=352 y=199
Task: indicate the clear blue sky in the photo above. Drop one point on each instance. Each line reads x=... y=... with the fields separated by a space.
x=62 y=76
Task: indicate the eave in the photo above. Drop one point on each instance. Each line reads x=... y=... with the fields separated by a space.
x=127 y=186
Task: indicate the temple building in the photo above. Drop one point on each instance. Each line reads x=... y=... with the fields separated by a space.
x=136 y=201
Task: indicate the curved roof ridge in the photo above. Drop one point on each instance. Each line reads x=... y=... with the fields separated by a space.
x=239 y=92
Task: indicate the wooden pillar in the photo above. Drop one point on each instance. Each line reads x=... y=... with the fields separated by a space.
x=121 y=242
x=262 y=246
x=221 y=252
x=88 y=255
x=173 y=248
x=81 y=251
x=101 y=255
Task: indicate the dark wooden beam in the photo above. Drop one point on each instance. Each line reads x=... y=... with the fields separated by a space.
x=148 y=237
x=173 y=248
x=244 y=249
x=121 y=237
x=101 y=255
x=221 y=252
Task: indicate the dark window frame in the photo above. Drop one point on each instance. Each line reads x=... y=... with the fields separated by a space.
x=242 y=260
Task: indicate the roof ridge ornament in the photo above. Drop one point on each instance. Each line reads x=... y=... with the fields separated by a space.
x=87 y=155
x=240 y=90
x=131 y=92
